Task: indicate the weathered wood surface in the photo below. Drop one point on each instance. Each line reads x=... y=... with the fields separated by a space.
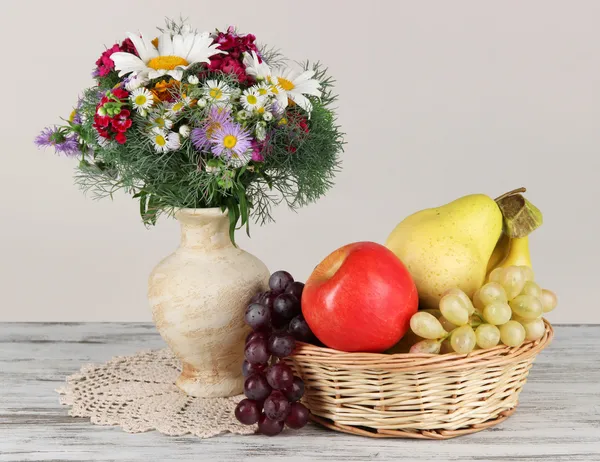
x=558 y=418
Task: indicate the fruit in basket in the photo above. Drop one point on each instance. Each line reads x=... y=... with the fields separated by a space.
x=426 y=325
x=449 y=246
x=517 y=253
x=508 y=310
x=488 y=336
x=512 y=333
x=359 y=298
x=521 y=218
x=272 y=391
x=548 y=300
x=463 y=339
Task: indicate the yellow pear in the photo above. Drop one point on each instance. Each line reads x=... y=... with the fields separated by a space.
x=448 y=246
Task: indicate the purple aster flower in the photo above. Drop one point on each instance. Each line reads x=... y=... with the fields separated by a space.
x=75 y=116
x=59 y=140
x=217 y=118
x=232 y=141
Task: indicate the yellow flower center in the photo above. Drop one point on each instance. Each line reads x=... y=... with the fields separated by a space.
x=140 y=100
x=215 y=93
x=160 y=140
x=160 y=121
x=261 y=110
x=283 y=121
x=262 y=91
x=274 y=90
x=251 y=99
x=286 y=84
x=211 y=128
x=229 y=141
x=167 y=62
x=72 y=115
x=177 y=106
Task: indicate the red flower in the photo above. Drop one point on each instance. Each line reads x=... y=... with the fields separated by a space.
x=127 y=46
x=235 y=46
x=105 y=64
x=229 y=65
x=121 y=122
x=113 y=127
x=120 y=93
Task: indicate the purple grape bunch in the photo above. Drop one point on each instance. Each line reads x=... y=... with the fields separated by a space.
x=272 y=391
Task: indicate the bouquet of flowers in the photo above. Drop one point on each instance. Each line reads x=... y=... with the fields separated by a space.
x=197 y=120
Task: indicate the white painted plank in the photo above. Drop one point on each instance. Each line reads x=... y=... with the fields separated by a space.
x=558 y=418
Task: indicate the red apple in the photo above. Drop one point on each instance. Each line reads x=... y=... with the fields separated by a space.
x=360 y=298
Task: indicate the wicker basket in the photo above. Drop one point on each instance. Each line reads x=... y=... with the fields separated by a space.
x=414 y=396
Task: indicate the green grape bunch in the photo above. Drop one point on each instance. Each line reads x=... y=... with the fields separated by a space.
x=507 y=310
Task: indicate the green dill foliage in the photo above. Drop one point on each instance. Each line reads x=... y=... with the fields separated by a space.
x=157 y=154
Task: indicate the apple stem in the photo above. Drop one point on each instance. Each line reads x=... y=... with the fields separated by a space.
x=511 y=193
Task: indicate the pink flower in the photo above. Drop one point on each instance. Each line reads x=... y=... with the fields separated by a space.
x=105 y=64
x=235 y=45
x=229 y=65
x=257 y=155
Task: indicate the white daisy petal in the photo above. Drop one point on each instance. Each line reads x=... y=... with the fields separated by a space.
x=165 y=45
x=177 y=74
x=178 y=46
x=145 y=49
x=126 y=63
x=303 y=102
x=202 y=49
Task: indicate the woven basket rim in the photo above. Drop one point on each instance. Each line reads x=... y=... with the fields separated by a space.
x=408 y=362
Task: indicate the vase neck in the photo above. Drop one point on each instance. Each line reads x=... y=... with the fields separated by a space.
x=204 y=229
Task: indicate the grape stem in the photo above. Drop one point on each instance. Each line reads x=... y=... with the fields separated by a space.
x=511 y=193
x=477 y=323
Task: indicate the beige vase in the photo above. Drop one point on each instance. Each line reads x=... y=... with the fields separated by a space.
x=198 y=296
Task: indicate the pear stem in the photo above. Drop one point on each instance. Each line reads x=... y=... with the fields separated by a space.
x=511 y=193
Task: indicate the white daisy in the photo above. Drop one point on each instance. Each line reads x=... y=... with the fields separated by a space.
x=241 y=159
x=217 y=92
x=295 y=86
x=193 y=80
x=165 y=141
x=267 y=116
x=184 y=131
x=255 y=68
x=178 y=106
x=251 y=100
x=175 y=53
x=263 y=89
x=160 y=120
x=141 y=99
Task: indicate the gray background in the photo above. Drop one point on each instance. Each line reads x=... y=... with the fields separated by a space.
x=438 y=100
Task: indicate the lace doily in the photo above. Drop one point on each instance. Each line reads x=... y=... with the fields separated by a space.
x=138 y=393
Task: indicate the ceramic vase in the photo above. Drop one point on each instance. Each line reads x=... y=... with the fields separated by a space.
x=198 y=297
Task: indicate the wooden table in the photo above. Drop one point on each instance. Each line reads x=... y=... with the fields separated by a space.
x=558 y=418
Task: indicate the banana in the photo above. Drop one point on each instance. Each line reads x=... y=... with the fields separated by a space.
x=510 y=252
x=500 y=252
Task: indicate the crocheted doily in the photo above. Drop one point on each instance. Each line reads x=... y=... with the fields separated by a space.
x=138 y=393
